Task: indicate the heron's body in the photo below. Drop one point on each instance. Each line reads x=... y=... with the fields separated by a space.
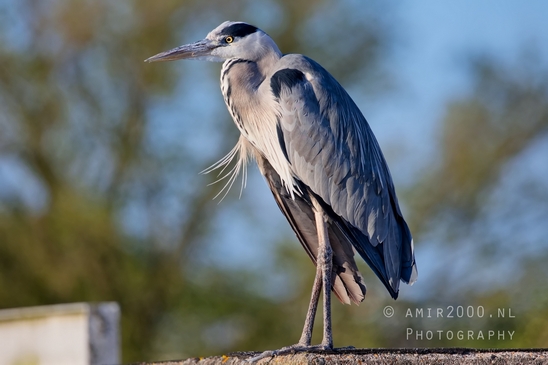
x=320 y=160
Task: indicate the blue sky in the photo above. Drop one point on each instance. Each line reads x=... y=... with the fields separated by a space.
x=436 y=37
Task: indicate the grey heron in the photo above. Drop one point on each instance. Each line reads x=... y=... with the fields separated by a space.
x=320 y=159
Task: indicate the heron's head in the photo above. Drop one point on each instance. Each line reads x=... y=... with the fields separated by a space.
x=229 y=40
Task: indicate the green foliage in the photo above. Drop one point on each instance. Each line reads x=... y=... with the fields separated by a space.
x=481 y=133
x=480 y=208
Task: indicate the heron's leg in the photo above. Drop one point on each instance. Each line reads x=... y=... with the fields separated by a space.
x=325 y=263
x=306 y=336
x=324 y=267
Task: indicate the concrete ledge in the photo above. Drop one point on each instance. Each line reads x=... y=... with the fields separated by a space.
x=450 y=356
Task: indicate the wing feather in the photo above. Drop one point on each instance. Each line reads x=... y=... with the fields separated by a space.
x=333 y=151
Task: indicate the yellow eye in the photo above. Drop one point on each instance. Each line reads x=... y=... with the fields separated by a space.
x=229 y=39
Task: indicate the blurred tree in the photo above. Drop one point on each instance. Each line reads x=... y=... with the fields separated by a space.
x=480 y=211
x=507 y=113
x=99 y=198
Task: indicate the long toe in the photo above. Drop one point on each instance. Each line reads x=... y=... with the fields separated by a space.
x=293 y=349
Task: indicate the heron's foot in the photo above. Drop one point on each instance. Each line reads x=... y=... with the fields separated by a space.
x=293 y=349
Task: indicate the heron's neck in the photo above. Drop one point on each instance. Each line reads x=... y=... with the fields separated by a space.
x=240 y=80
x=249 y=74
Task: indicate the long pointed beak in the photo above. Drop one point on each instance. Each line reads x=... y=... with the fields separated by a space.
x=198 y=50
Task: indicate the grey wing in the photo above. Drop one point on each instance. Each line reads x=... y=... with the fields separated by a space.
x=334 y=153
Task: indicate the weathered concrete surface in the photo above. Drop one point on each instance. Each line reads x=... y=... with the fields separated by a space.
x=451 y=356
